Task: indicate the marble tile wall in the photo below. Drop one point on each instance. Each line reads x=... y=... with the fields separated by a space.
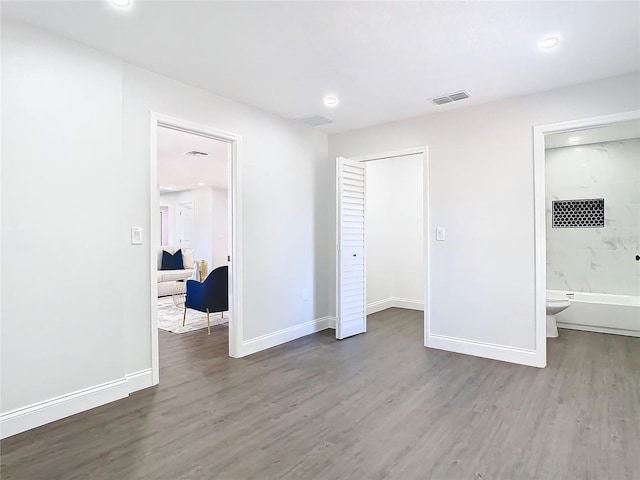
x=598 y=260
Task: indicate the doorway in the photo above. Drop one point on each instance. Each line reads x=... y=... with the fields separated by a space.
x=544 y=136
x=356 y=272
x=201 y=240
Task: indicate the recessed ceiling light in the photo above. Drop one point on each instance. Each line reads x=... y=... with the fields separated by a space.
x=169 y=188
x=331 y=101
x=574 y=139
x=121 y=3
x=549 y=42
x=202 y=184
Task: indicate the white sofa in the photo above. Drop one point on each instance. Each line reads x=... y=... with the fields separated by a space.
x=167 y=278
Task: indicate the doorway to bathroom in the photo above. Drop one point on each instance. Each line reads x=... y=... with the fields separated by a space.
x=382 y=217
x=587 y=226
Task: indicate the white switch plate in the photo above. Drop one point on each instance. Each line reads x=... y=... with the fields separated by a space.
x=440 y=234
x=136 y=235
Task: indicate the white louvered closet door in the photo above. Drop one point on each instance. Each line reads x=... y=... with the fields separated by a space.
x=351 y=268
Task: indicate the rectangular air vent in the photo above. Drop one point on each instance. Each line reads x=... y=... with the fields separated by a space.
x=459 y=96
x=583 y=213
x=452 y=97
x=441 y=100
x=314 y=120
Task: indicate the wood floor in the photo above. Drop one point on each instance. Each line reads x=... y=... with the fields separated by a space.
x=375 y=406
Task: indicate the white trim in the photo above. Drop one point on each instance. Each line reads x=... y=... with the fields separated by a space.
x=392 y=154
x=379 y=305
x=426 y=234
x=394 y=302
x=41 y=413
x=139 y=380
x=235 y=227
x=540 y=232
x=408 y=303
x=154 y=206
x=331 y=322
x=285 y=335
x=485 y=350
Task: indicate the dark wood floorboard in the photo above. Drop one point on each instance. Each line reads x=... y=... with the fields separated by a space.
x=376 y=406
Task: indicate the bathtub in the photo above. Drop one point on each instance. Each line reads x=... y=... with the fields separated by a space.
x=599 y=312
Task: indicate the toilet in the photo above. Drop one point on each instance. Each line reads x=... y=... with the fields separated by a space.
x=553 y=308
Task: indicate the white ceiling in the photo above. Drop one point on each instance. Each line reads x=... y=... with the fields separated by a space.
x=609 y=133
x=177 y=171
x=384 y=60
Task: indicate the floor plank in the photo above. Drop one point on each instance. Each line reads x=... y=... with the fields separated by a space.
x=376 y=406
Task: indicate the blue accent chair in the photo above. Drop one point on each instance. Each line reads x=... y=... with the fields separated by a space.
x=210 y=296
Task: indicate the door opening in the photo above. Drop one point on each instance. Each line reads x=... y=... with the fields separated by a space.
x=194 y=185
x=586 y=272
x=382 y=246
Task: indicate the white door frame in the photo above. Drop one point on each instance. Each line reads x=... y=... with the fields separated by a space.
x=540 y=227
x=424 y=150
x=234 y=219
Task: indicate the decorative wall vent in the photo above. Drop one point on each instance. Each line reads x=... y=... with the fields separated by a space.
x=583 y=213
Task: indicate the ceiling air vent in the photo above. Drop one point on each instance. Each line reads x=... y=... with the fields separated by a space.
x=459 y=96
x=441 y=100
x=452 y=97
x=314 y=120
x=195 y=153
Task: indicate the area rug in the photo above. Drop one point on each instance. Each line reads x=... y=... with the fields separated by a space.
x=170 y=317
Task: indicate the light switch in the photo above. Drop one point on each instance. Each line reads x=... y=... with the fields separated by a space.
x=136 y=235
x=440 y=234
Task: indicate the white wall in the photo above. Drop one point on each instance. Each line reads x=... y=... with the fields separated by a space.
x=394 y=232
x=597 y=260
x=81 y=321
x=283 y=172
x=481 y=190
x=64 y=235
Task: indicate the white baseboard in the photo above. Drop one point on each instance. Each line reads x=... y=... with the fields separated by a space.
x=380 y=305
x=283 y=336
x=41 y=413
x=486 y=350
x=409 y=304
x=396 y=302
x=139 y=380
x=390 y=302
